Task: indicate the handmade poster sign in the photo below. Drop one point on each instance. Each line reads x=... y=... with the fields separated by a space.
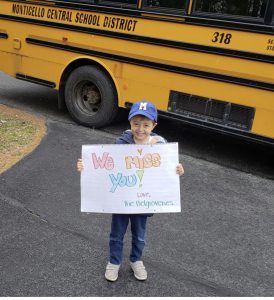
x=130 y=179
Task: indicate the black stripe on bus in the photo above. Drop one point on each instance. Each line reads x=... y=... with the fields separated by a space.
x=156 y=65
x=154 y=41
x=35 y=80
x=3 y=35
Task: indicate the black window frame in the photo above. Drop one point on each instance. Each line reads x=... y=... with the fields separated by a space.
x=102 y=3
x=118 y=4
x=165 y=10
x=91 y=2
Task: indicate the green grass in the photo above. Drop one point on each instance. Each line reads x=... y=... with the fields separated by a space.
x=15 y=133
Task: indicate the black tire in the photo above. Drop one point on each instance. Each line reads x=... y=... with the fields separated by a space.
x=90 y=97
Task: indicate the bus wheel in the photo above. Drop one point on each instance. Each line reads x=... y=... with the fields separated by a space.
x=90 y=97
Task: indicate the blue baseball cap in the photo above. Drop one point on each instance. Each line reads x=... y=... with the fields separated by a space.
x=143 y=108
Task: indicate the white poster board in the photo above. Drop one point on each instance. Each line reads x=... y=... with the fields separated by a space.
x=130 y=179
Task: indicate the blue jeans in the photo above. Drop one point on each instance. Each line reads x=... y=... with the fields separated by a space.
x=118 y=229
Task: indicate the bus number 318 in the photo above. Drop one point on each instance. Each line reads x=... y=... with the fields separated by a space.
x=221 y=38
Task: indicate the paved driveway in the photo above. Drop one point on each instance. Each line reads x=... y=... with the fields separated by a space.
x=220 y=245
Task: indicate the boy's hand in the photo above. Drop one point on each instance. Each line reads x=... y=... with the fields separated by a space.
x=180 y=170
x=80 y=165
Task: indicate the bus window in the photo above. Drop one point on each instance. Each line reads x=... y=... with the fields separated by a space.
x=168 y=4
x=247 y=8
x=269 y=16
x=124 y=3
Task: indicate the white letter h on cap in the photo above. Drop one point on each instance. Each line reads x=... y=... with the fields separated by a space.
x=143 y=106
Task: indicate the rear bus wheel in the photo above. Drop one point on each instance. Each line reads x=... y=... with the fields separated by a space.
x=90 y=97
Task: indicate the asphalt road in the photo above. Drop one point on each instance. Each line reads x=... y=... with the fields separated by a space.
x=221 y=244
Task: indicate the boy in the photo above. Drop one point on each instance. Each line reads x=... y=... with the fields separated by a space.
x=143 y=119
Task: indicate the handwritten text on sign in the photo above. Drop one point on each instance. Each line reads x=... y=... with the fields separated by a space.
x=130 y=179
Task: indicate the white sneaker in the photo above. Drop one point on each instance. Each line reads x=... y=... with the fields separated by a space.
x=139 y=270
x=112 y=272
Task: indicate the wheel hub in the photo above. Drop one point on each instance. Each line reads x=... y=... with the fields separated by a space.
x=88 y=97
x=91 y=95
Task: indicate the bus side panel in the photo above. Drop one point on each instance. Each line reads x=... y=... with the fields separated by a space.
x=157 y=85
x=10 y=57
x=10 y=63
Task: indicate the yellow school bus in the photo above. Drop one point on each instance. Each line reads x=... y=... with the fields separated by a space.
x=208 y=63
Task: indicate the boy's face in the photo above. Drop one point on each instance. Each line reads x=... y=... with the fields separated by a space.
x=141 y=128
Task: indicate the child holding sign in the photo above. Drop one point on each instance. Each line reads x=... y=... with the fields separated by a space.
x=143 y=119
